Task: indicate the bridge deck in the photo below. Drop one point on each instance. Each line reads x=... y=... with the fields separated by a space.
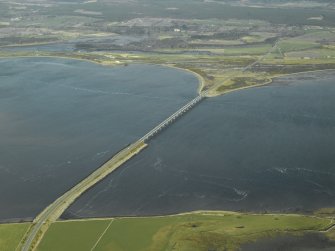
x=173 y=117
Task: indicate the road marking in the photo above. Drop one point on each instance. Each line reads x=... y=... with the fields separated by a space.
x=102 y=235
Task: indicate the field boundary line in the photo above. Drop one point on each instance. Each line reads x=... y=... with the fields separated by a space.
x=102 y=235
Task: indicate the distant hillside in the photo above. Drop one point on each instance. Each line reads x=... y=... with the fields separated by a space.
x=277 y=1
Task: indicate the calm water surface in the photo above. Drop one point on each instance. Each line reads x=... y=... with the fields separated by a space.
x=61 y=119
x=269 y=148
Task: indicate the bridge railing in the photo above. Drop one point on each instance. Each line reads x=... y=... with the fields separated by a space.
x=174 y=116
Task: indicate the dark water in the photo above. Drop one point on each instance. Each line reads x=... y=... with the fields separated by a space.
x=119 y=40
x=269 y=148
x=60 y=119
x=54 y=47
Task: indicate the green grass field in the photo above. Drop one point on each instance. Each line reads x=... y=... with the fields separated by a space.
x=313 y=53
x=231 y=51
x=248 y=50
x=296 y=45
x=11 y=234
x=196 y=231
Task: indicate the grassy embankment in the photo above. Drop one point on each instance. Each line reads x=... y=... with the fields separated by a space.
x=191 y=231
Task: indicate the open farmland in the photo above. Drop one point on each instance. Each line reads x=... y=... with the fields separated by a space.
x=193 y=231
x=11 y=235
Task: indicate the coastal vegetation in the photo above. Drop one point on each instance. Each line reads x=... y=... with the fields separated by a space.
x=228 y=47
x=204 y=230
x=220 y=72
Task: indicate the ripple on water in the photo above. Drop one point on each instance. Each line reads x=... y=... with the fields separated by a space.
x=269 y=148
x=60 y=119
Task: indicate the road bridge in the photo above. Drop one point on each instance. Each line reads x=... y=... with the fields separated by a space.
x=49 y=215
x=172 y=118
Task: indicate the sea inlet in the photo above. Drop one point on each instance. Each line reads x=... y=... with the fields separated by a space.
x=270 y=148
x=61 y=119
x=266 y=149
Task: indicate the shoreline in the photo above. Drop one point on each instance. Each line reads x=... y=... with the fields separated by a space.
x=216 y=94
x=201 y=85
x=196 y=212
x=201 y=80
x=30 y=44
x=271 y=80
x=202 y=212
